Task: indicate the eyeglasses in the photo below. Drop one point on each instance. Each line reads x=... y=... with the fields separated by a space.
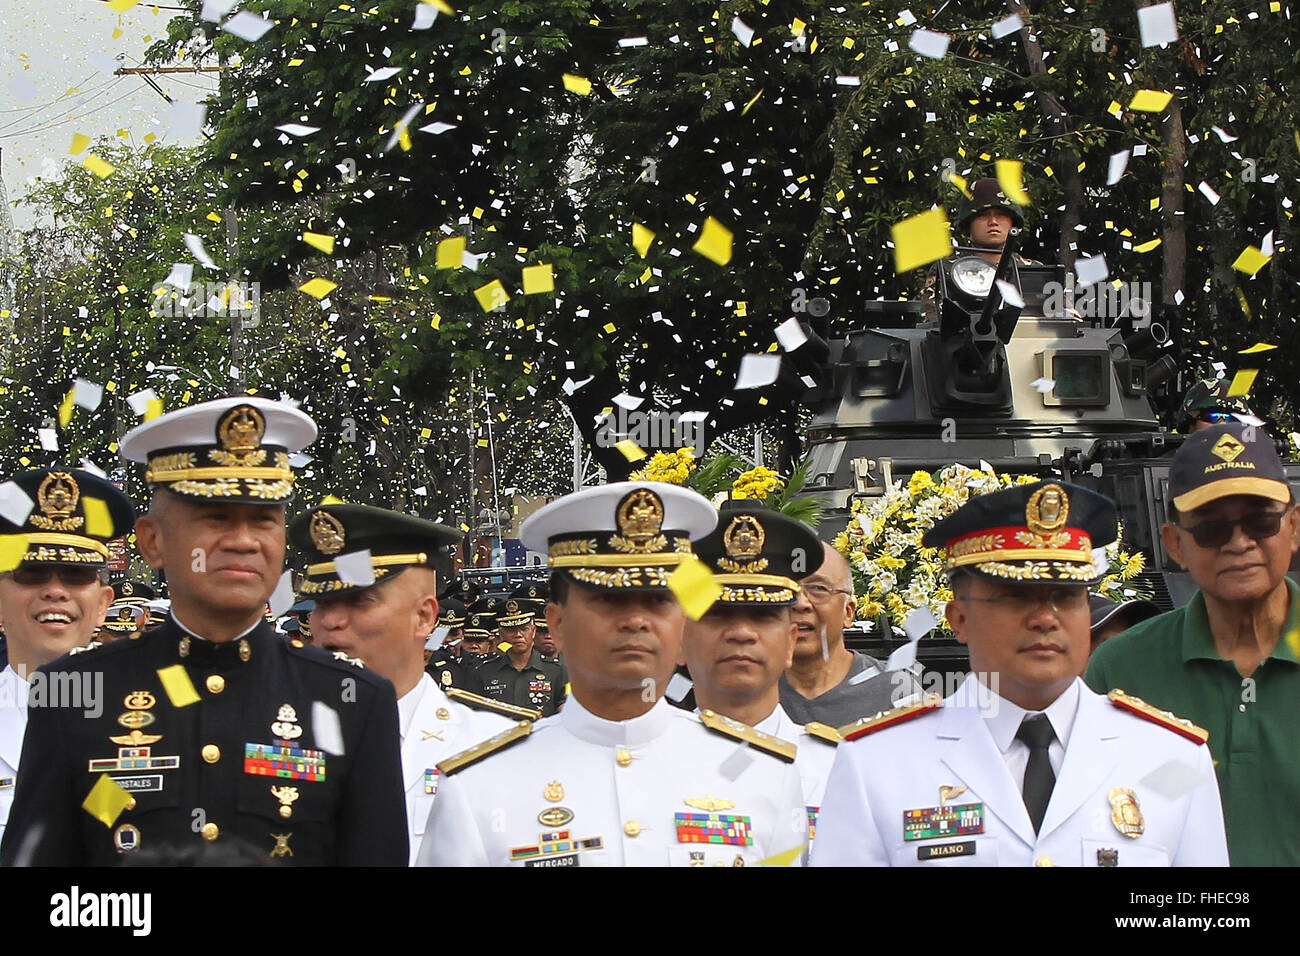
x=1215 y=534
x=1061 y=600
x=33 y=576
x=1218 y=418
x=820 y=592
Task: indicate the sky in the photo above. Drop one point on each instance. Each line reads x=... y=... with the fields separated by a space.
x=56 y=80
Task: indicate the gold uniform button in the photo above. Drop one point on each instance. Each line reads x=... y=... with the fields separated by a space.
x=211 y=831
x=631 y=828
x=1044 y=861
x=216 y=684
x=211 y=753
x=296 y=643
x=623 y=756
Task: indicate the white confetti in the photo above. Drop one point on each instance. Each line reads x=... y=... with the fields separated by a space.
x=1208 y=192
x=744 y=33
x=1007 y=26
x=282 y=597
x=355 y=567
x=633 y=41
x=678 y=687
x=247 y=26
x=1173 y=780
x=424 y=16
x=49 y=438
x=919 y=622
x=902 y=658
x=737 y=763
x=87 y=394
x=630 y=402
x=1010 y=294
x=139 y=402
x=791 y=334
x=929 y=43
x=297 y=129
x=185 y=120
x=1157 y=25
x=1091 y=269
x=757 y=371
x=195 y=245
x=214 y=10
x=1223 y=136
x=15 y=505
x=181 y=276
x=94 y=469
x=381 y=74
x=1118 y=163
x=326 y=730
x=437 y=128
x=1044 y=385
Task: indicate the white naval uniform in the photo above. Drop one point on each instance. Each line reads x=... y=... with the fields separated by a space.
x=13 y=724
x=433 y=727
x=969 y=742
x=621 y=784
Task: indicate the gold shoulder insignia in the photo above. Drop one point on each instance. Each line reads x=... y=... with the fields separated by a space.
x=781 y=749
x=479 y=702
x=89 y=647
x=823 y=732
x=501 y=741
x=888 y=718
x=354 y=661
x=1179 y=725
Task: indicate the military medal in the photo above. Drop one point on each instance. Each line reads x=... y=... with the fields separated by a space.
x=709 y=803
x=553 y=791
x=285 y=725
x=281 y=847
x=1125 y=814
x=931 y=823
x=947 y=793
x=555 y=816
x=286 y=796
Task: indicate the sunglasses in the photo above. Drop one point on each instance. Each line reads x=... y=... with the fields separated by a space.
x=34 y=576
x=1218 y=418
x=1215 y=534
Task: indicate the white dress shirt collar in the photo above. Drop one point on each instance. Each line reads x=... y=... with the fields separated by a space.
x=409 y=703
x=635 y=732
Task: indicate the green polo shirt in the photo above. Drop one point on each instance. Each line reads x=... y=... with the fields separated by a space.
x=1254 y=723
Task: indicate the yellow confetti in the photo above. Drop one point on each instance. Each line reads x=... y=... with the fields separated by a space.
x=318 y=288
x=176 y=682
x=121 y=6
x=1150 y=101
x=107 y=800
x=1251 y=260
x=1257 y=348
x=13 y=547
x=404 y=139
x=319 y=241
x=504 y=646
x=79 y=142
x=694 y=586
x=154 y=409
x=609 y=328
x=491 y=296
x=577 y=84
x=98 y=166
x=538 y=278
x=714 y=242
x=787 y=858
x=752 y=101
x=1010 y=174
x=1115 y=108
x=920 y=240
x=641 y=239
x=1242 y=382
x=630 y=449
x=1148 y=245
x=65 y=408
x=99 y=523
x=331 y=500
x=451 y=253
x=441 y=6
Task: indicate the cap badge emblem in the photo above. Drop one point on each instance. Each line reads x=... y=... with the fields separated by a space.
x=126 y=588
x=1228 y=448
x=743 y=541
x=512 y=607
x=639 y=516
x=1047 y=510
x=57 y=498
x=326 y=532
x=239 y=432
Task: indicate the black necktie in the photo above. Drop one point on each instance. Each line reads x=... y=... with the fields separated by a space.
x=1037 y=734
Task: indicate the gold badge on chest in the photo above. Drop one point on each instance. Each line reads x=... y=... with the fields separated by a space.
x=1125 y=813
x=553 y=791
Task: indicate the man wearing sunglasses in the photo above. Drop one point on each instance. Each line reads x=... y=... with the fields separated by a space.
x=53 y=600
x=1222 y=661
x=1023 y=765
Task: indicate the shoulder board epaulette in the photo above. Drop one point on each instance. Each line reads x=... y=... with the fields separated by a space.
x=501 y=741
x=1164 y=718
x=888 y=718
x=781 y=749
x=823 y=732
x=479 y=702
x=354 y=661
x=89 y=647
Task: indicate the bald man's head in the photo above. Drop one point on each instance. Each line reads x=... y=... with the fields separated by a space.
x=835 y=568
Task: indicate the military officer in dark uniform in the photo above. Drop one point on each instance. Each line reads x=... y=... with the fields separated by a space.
x=212 y=727
x=520 y=676
x=129 y=612
x=443 y=662
x=479 y=644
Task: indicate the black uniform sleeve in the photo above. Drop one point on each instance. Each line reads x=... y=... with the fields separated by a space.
x=467 y=679
x=45 y=820
x=372 y=812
